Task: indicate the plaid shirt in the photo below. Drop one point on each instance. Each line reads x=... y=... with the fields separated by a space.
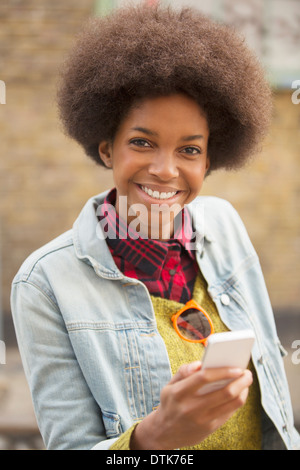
x=167 y=268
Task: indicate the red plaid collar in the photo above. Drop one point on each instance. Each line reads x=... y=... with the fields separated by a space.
x=148 y=255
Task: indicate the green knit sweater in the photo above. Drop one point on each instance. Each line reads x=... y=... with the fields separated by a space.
x=243 y=430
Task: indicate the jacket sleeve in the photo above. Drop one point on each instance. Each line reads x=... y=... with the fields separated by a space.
x=66 y=411
x=119 y=443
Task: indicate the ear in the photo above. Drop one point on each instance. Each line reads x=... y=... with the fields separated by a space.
x=105 y=153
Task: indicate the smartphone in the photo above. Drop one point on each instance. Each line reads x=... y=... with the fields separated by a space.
x=228 y=349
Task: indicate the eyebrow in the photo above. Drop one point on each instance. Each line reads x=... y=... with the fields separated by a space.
x=149 y=132
x=193 y=137
x=144 y=130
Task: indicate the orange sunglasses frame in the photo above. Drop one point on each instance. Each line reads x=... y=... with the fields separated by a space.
x=188 y=305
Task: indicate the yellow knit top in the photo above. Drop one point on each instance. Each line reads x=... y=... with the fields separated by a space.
x=243 y=430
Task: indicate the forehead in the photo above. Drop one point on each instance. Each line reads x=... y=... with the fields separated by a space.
x=175 y=112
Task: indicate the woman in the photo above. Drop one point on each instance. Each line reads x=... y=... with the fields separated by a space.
x=161 y=98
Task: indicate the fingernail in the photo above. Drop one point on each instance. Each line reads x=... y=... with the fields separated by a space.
x=236 y=372
x=193 y=366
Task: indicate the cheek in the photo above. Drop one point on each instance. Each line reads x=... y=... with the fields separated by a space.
x=196 y=177
x=125 y=169
x=128 y=164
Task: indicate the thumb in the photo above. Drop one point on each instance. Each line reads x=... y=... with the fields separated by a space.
x=185 y=371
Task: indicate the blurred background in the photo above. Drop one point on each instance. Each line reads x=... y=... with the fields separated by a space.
x=45 y=178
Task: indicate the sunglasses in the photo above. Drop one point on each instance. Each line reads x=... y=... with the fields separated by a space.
x=192 y=323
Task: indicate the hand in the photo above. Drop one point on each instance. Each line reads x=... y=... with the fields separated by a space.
x=184 y=418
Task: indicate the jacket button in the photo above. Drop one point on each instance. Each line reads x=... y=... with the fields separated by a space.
x=225 y=299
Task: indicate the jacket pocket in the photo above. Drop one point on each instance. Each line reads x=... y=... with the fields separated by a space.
x=112 y=424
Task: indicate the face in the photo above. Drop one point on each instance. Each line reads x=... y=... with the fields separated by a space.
x=159 y=161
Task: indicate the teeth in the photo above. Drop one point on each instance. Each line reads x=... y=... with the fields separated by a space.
x=157 y=194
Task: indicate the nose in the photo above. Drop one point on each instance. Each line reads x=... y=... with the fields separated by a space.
x=164 y=166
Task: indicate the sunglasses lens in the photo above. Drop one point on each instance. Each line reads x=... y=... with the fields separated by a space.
x=193 y=324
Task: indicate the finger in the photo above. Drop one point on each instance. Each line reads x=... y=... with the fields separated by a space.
x=236 y=387
x=221 y=414
x=229 y=392
x=191 y=383
x=186 y=370
x=227 y=409
x=211 y=385
x=222 y=404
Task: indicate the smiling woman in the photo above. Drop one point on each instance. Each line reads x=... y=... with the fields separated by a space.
x=160 y=98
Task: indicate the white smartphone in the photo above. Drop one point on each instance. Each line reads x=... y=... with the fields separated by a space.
x=228 y=349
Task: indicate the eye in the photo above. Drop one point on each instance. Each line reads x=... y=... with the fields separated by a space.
x=140 y=143
x=192 y=151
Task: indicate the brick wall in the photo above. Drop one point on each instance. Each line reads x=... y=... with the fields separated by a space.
x=45 y=178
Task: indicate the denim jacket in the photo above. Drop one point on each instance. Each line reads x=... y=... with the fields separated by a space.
x=93 y=357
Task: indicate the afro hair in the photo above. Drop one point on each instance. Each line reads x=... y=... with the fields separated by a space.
x=139 y=51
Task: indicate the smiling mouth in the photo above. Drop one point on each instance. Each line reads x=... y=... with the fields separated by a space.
x=160 y=195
